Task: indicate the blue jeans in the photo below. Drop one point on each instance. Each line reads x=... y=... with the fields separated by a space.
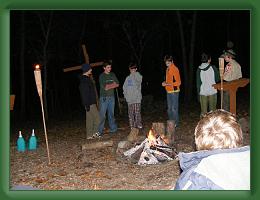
x=107 y=104
x=173 y=107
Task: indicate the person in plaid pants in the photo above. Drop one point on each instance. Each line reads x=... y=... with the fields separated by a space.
x=133 y=95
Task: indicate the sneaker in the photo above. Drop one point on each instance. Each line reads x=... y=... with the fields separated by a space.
x=90 y=138
x=97 y=135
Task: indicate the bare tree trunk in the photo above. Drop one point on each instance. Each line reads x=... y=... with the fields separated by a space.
x=22 y=74
x=184 y=54
x=46 y=33
x=170 y=40
x=191 y=56
x=188 y=64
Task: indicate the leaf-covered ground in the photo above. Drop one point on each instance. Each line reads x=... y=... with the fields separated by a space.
x=101 y=169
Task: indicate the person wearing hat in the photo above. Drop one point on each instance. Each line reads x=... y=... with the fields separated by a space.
x=88 y=98
x=232 y=72
x=107 y=82
x=133 y=95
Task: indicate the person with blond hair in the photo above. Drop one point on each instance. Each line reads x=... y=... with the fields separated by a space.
x=221 y=162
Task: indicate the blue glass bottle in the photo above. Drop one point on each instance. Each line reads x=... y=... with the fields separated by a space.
x=20 y=143
x=32 y=142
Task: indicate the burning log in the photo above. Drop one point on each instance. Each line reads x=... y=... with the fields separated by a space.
x=96 y=145
x=152 y=150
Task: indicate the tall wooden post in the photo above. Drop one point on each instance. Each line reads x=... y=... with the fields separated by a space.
x=221 y=72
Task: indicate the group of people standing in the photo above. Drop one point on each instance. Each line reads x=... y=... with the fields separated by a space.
x=218 y=135
x=206 y=76
x=108 y=82
x=132 y=86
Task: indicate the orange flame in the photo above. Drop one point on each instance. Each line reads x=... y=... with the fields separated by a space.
x=151 y=137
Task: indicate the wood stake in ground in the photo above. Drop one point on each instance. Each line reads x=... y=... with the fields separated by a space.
x=170 y=130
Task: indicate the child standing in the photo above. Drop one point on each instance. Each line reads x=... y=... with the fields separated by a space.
x=88 y=97
x=133 y=95
x=172 y=87
x=206 y=76
x=107 y=82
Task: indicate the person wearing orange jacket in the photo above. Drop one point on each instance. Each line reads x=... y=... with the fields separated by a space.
x=172 y=87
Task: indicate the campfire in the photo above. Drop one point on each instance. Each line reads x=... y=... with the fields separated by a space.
x=153 y=150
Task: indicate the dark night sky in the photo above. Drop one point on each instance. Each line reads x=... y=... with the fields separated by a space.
x=102 y=32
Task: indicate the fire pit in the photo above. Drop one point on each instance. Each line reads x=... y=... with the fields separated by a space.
x=153 y=150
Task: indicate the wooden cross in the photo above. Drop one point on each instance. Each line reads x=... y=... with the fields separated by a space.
x=96 y=64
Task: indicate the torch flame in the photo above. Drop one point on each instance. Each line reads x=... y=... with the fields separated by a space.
x=37 y=67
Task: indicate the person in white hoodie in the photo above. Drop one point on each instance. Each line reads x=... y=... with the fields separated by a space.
x=206 y=76
x=133 y=95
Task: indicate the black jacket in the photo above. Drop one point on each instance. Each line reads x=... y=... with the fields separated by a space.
x=87 y=91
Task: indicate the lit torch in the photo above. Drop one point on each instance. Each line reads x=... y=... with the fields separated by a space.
x=221 y=72
x=38 y=81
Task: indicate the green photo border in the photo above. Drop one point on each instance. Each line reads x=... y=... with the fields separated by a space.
x=7 y=5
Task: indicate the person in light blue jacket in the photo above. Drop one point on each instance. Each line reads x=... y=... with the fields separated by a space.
x=132 y=92
x=221 y=162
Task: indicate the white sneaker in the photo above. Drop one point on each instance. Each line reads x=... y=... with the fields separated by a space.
x=96 y=135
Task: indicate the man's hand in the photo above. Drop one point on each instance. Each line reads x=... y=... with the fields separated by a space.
x=165 y=84
x=111 y=86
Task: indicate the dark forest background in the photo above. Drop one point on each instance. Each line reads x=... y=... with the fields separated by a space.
x=54 y=39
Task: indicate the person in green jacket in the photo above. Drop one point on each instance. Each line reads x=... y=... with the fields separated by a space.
x=206 y=76
x=107 y=82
